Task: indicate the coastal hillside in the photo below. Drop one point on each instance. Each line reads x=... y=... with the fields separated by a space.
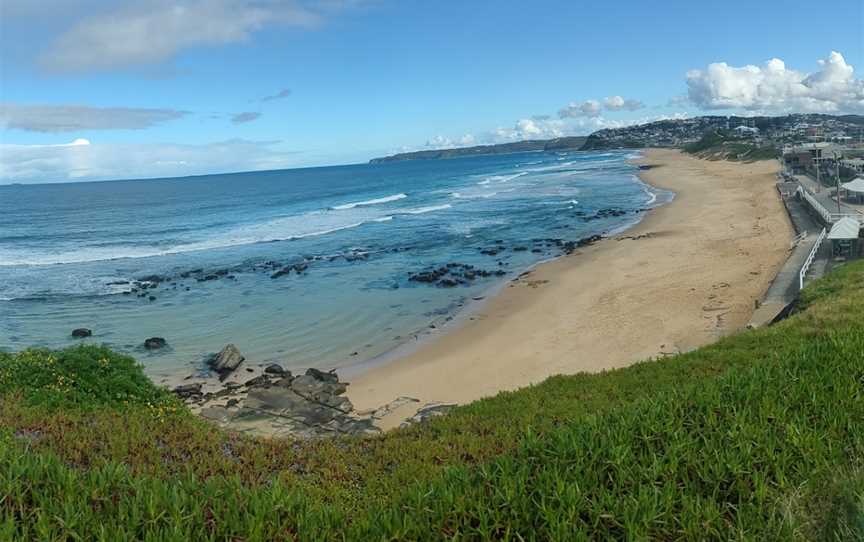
x=759 y=130
x=557 y=144
x=762 y=131
x=757 y=436
x=725 y=145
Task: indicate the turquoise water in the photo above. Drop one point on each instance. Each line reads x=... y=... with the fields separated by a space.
x=70 y=254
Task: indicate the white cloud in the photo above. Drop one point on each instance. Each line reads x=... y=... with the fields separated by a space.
x=544 y=127
x=618 y=103
x=442 y=142
x=149 y=32
x=81 y=159
x=594 y=108
x=73 y=118
x=588 y=108
x=775 y=88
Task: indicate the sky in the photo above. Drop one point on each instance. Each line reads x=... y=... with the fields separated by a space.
x=99 y=89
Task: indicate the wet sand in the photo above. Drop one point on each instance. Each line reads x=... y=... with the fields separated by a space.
x=688 y=274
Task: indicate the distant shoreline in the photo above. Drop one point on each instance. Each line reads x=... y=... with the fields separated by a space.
x=573 y=143
x=612 y=303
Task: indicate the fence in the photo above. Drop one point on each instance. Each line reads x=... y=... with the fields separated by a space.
x=810 y=257
x=820 y=209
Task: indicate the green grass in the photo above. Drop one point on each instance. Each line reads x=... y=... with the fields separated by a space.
x=757 y=437
x=722 y=145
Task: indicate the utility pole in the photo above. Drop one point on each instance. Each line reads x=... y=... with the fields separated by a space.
x=837 y=164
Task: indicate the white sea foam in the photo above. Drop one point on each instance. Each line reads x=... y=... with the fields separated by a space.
x=387 y=199
x=460 y=195
x=424 y=210
x=311 y=224
x=652 y=197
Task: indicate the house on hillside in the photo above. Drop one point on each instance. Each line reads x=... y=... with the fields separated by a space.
x=746 y=131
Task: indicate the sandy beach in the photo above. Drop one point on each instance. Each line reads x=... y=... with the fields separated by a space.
x=689 y=273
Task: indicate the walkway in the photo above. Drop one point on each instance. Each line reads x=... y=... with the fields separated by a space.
x=823 y=195
x=784 y=289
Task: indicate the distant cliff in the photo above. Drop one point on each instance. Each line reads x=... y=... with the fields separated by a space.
x=557 y=144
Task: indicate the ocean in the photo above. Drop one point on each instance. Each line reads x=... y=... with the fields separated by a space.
x=325 y=267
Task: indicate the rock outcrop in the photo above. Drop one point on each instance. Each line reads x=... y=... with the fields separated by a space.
x=226 y=361
x=155 y=343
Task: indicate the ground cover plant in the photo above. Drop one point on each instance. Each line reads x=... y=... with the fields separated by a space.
x=756 y=437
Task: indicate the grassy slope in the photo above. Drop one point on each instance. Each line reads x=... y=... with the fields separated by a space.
x=759 y=436
x=717 y=146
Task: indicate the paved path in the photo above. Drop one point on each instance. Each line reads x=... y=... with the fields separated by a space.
x=784 y=288
x=823 y=196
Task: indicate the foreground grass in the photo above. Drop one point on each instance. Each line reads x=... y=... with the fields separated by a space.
x=758 y=437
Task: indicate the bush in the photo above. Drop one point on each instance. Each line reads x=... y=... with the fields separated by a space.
x=81 y=377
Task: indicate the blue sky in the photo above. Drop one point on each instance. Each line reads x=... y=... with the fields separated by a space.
x=153 y=85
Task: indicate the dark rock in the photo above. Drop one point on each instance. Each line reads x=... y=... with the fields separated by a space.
x=152 y=298
x=282 y=272
x=260 y=380
x=232 y=402
x=155 y=343
x=275 y=369
x=81 y=332
x=226 y=361
x=187 y=391
x=329 y=376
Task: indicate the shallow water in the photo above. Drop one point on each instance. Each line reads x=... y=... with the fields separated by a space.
x=68 y=250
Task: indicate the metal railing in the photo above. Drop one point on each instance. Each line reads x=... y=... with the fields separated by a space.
x=820 y=209
x=809 y=261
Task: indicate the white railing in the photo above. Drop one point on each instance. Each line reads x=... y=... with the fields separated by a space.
x=826 y=215
x=818 y=207
x=809 y=261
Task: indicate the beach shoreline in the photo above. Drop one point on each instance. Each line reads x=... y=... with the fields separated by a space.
x=636 y=306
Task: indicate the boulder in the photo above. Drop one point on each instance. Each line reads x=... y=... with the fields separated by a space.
x=274 y=369
x=317 y=374
x=226 y=361
x=187 y=391
x=81 y=332
x=155 y=343
x=260 y=380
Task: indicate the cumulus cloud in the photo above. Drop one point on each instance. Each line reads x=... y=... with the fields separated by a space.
x=594 y=108
x=149 y=32
x=71 y=118
x=442 y=142
x=284 y=93
x=246 y=116
x=588 y=108
x=545 y=127
x=83 y=160
x=775 y=88
x=618 y=103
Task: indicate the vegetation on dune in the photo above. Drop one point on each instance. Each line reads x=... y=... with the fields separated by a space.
x=759 y=436
x=725 y=145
